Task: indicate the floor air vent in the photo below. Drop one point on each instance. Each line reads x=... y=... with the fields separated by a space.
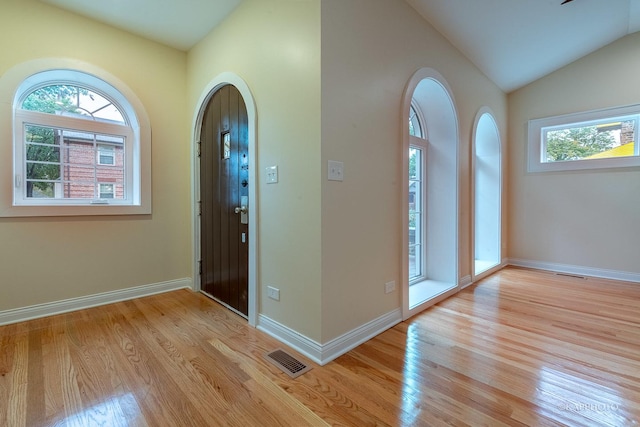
x=289 y=364
x=575 y=276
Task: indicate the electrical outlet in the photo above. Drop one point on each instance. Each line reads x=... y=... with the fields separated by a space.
x=273 y=293
x=335 y=171
x=389 y=287
x=272 y=174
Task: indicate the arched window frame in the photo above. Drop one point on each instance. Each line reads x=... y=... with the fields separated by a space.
x=23 y=79
x=416 y=122
x=440 y=134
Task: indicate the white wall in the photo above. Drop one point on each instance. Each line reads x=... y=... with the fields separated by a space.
x=579 y=219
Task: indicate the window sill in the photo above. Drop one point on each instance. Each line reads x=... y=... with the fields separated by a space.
x=59 y=211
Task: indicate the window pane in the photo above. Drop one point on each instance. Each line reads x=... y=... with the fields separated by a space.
x=415 y=261
x=414 y=228
x=41 y=190
x=415 y=163
x=78 y=153
x=73 y=101
x=590 y=141
x=43 y=171
x=79 y=190
x=415 y=128
x=415 y=232
x=41 y=135
x=76 y=164
x=43 y=153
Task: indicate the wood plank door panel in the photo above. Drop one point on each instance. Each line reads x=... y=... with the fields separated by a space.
x=224 y=180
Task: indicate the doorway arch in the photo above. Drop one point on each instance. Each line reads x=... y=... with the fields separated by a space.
x=487 y=194
x=223 y=79
x=435 y=218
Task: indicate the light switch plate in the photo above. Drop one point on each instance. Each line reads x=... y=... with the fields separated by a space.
x=336 y=171
x=272 y=174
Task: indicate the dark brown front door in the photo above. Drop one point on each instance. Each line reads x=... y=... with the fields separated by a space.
x=224 y=194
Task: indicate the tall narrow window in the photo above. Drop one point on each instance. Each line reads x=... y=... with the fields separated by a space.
x=487 y=193
x=430 y=202
x=416 y=237
x=417 y=154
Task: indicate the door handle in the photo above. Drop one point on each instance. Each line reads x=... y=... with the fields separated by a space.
x=243 y=209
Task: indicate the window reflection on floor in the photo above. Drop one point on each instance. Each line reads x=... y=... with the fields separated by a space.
x=114 y=412
x=576 y=395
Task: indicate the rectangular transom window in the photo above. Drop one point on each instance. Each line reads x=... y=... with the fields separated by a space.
x=589 y=140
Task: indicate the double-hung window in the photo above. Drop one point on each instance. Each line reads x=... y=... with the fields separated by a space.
x=589 y=140
x=79 y=147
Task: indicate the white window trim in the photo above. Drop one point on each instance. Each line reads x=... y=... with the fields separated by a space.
x=535 y=161
x=11 y=84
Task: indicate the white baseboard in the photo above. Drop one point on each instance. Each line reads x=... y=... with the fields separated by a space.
x=626 y=276
x=295 y=340
x=465 y=281
x=73 y=304
x=325 y=353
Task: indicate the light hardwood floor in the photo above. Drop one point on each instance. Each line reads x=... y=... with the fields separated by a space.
x=521 y=347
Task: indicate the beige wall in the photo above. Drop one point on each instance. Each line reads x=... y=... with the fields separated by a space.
x=370 y=50
x=274 y=46
x=51 y=259
x=581 y=218
x=329 y=247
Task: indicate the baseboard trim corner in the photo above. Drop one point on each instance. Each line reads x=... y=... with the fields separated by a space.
x=325 y=353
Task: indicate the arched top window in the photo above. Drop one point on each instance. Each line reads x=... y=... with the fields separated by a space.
x=79 y=141
x=73 y=101
x=415 y=124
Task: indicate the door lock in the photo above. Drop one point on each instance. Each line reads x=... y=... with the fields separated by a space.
x=242 y=210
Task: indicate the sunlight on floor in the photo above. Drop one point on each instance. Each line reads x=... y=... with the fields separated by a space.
x=117 y=411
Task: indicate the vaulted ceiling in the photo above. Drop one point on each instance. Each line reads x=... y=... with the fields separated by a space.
x=514 y=42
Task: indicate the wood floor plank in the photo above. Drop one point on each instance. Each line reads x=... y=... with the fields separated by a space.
x=520 y=348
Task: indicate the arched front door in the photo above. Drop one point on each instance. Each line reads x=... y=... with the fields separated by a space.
x=224 y=200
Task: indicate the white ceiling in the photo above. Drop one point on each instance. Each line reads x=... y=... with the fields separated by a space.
x=514 y=42
x=177 y=23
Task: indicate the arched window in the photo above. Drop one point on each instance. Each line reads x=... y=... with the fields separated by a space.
x=430 y=237
x=487 y=177
x=417 y=154
x=79 y=143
